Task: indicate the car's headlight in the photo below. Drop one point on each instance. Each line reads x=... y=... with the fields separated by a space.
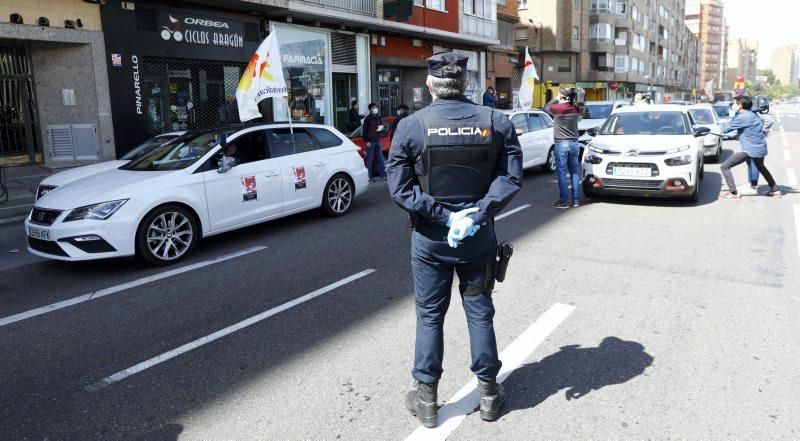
x=101 y=211
x=595 y=149
x=677 y=149
x=679 y=160
x=43 y=190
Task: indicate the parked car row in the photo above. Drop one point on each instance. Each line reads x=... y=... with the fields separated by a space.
x=175 y=188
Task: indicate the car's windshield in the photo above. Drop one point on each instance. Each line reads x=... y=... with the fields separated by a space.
x=597 y=111
x=722 y=110
x=176 y=154
x=702 y=116
x=646 y=123
x=146 y=146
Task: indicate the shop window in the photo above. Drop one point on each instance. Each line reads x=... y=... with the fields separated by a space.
x=564 y=64
x=304 y=68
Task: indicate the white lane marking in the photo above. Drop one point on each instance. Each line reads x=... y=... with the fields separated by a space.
x=787 y=155
x=509 y=213
x=797 y=225
x=783 y=135
x=121 y=375
x=467 y=399
x=791 y=177
x=781 y=128
x=115 y=289
x=785 y=143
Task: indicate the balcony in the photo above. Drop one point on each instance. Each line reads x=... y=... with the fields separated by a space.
x=361 y=7
x=481 y=27
x=602 y=45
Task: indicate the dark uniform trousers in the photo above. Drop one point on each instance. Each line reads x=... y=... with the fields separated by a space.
x=434 y=263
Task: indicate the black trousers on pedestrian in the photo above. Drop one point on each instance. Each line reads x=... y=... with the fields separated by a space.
x=738 y=158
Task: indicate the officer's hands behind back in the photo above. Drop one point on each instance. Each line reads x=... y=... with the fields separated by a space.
x=458 y=215
x=461 y=229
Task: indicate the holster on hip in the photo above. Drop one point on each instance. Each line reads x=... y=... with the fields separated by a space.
x=495 y=270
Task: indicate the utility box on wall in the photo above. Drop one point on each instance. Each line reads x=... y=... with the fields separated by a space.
x=73 y=142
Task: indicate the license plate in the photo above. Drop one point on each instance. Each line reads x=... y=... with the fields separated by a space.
x=39 y=233
x=633 y=171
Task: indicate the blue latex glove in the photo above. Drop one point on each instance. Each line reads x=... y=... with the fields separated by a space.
x=458 y=215
x=460 y=229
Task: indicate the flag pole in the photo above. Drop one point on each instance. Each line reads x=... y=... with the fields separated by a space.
x=291 y=127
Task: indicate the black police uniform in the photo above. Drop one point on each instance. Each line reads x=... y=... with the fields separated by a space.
x=447 y=157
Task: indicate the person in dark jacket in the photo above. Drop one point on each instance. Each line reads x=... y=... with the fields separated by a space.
x=353 y=117
x=453 y=166
x=489 y=98
x=402 y=112
x=372 y=125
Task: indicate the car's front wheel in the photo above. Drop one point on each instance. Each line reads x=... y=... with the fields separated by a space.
x=338 y=196
x=166 y=235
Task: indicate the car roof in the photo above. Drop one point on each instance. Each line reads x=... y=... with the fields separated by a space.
x=608 y=102
x=706 y=106
x=249 y=125
x=653 y=108
x=515 y=111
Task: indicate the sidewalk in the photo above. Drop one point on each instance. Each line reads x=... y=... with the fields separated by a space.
x=21 y=183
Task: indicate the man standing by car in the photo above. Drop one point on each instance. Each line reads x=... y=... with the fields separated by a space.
x=372 y=125
x=353 y=117
x=567 y=150
x=754 y=145
x=402 y=112
x=453 y=166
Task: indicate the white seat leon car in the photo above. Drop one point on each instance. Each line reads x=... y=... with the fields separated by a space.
x=203 y=183
x=649 y=150
x=535 y=133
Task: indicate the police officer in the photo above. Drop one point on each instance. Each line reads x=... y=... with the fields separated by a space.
x=453 y=166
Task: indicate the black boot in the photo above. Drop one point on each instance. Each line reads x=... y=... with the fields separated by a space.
x=493 y=397
x=421 y=402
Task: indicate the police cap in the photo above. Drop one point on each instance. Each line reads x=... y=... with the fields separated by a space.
x=449 y=60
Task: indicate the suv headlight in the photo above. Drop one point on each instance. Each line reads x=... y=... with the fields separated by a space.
x=678 y=149
x=101 y=211
x=679 y=160
x=43 y=190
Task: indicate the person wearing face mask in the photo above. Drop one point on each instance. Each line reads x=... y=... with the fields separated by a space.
x=402 y=112
x=372 y=125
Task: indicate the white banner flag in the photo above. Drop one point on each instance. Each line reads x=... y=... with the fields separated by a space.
x=529 y=77
x=263 y=78
x=710 y=87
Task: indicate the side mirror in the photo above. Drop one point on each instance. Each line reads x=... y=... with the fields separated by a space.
x=519 y=132
x=592 y=132
x=701 y=131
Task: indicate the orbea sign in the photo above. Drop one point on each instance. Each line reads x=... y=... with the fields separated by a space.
x=207 y=23
x=200 y=30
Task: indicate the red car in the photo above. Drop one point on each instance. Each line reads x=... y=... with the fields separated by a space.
x=385 y=134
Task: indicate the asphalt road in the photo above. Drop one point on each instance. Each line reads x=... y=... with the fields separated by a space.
x=684 y=325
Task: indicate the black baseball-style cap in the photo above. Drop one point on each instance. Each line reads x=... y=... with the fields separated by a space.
x=439 y=61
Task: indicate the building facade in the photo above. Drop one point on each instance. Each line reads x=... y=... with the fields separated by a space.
x=742 y=59
x=706 y=20
x=613 y=48
x=53 y=84
x=783 y=62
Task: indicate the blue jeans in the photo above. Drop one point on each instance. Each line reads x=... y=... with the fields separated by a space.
x=567 y=153
x=752 y=172
x=374 y=153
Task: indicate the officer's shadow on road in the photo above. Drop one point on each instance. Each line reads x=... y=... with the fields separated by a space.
x=578 y=370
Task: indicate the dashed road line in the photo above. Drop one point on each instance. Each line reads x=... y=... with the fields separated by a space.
x=510 y=212
x=785 y=142
x=123 y=374
x=791 y=178
x=787 y=155
x=797 y=225
x=464 y=402
x=122 y=287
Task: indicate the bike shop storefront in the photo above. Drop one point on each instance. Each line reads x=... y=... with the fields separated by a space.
x=174 y=69
x=19 y=143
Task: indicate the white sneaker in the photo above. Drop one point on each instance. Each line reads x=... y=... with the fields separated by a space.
x=746 y=190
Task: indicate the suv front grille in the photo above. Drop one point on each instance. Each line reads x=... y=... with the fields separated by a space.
x=632 y=184
x=43 y=216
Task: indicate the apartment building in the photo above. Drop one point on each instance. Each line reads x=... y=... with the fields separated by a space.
x=706 y=20
x=504 y=60
x=742 y=59
x=175 y=65
x=615 y=48
x=784 y=64
x=54 y=90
